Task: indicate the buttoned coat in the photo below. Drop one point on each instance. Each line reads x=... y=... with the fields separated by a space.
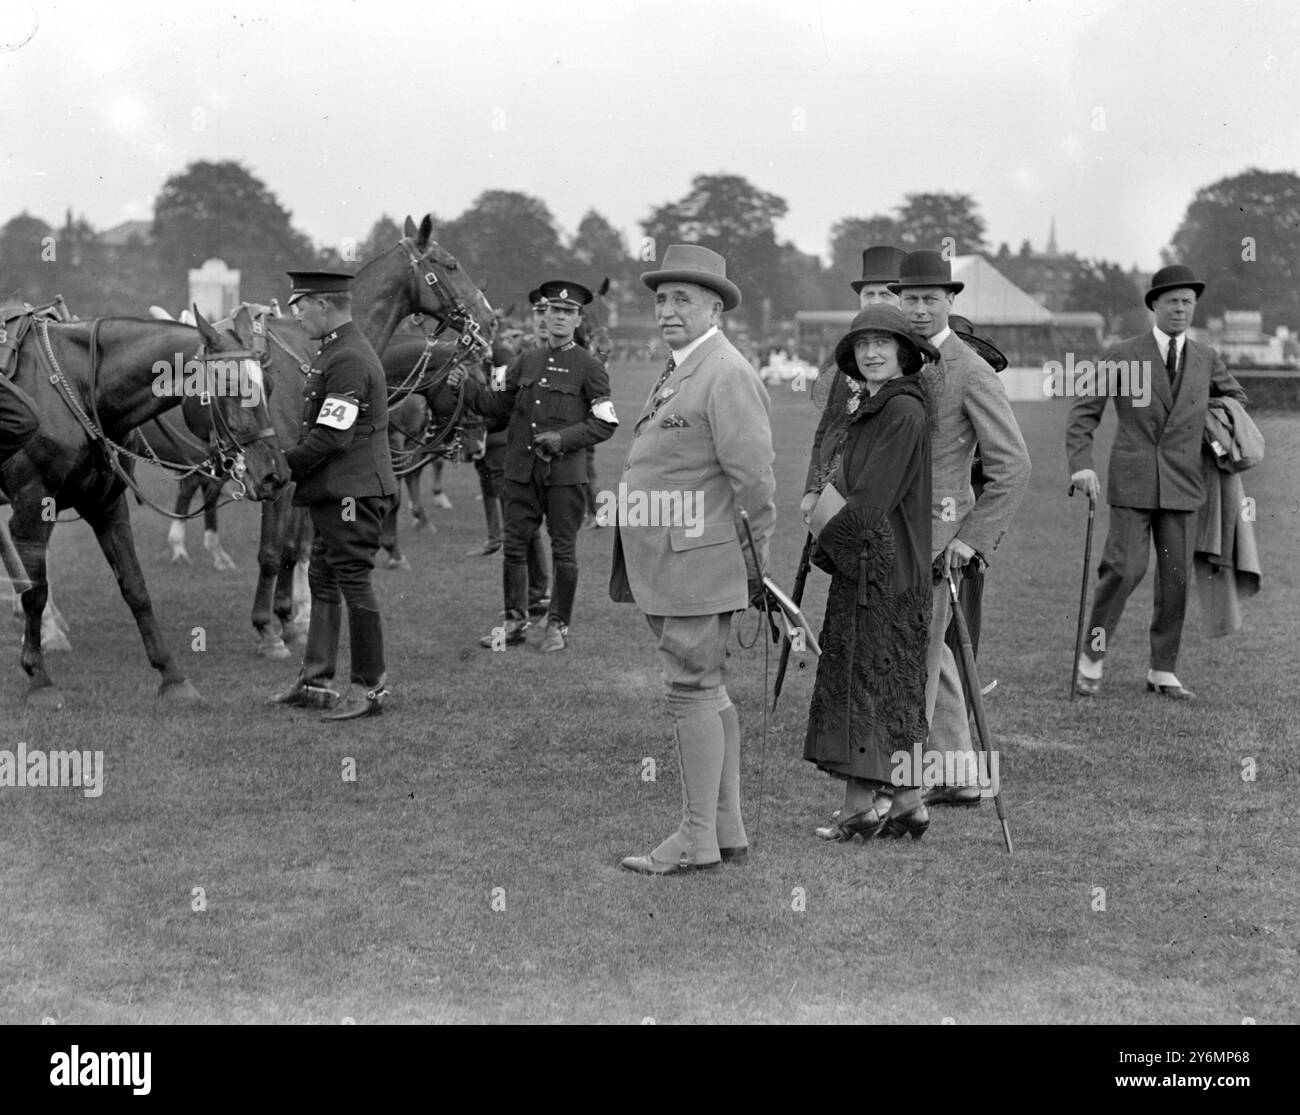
x=972 y=410
x=548 y=389
x=702 y=444
x=329 y=463
x=1155 y=461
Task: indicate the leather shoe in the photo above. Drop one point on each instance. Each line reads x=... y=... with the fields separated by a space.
x=1173 y=692
x=306 y=696
x=648 y=865
x=516 y=633
x=913 y=823
x=539 y=608
x=370 y=704
x=1086 y=687
x=737 y=857
x=484 y=550
x=555 y=637
x=967 y=797
x=864 y=824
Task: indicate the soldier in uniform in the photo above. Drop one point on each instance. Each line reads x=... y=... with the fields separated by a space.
x=345 y=479
x=554 y=405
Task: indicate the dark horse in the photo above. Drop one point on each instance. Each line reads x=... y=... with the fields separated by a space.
x=96 y=382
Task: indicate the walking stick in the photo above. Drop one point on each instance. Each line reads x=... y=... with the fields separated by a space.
x=1083 y=591
x=762 y=754
x=800 y=579
x=971 y=679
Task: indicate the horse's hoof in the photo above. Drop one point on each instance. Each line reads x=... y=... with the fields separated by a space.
x=293 y=632
x=47 y=696
x=399 y=563
x=181 y=558
x=54 y=641
x=422 y=524
x=179 y=693
x=272 y=648
x=224 y=564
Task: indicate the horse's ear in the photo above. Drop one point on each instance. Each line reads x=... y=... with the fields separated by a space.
x=408 y=229
x=244 y=323
x=604 y=287
x=426 y=231
x=210 y=336
x=509 y=312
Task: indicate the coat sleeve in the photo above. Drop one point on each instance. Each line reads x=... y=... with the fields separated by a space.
x=1085 y=415
x=495 y=407
x=742 y=437
x=1005 y=461
x=592 y=430
x=348 y=378
x=823 y=424
x=1222 y=381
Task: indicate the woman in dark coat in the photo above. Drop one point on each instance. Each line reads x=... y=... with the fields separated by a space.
x=868 y=702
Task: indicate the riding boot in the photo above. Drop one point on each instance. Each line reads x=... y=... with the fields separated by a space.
x=539 y=574
x=515 y=581
x=366 y=634
x=312 y=689
x=566 y=588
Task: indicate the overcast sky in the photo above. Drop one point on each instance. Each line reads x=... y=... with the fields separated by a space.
x=1107 y=114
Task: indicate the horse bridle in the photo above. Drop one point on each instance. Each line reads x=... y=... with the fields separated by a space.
x=451 y=311
x=226 y=445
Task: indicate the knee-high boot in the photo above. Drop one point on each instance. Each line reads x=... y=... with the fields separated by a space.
x=701 y=747
x=731 y=825
x=321 y=653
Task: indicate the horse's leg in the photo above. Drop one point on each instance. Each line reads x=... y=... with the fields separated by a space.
x=31 y=534
x=222 y=562
x=388 y=535
x=439 y=500
x=112 y=527
x=270 y=547
x=418 y=513
x=292 y=593
x=176 y=532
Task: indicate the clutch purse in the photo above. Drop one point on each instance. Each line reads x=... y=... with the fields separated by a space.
x=828 y=506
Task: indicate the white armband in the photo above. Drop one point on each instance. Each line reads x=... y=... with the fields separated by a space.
x=338 y=411
x=604 y=410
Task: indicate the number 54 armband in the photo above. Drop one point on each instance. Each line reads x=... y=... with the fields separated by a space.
x=338 y=411
x=604 y=410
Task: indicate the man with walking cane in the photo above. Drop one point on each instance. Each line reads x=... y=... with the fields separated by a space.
x=703 y=440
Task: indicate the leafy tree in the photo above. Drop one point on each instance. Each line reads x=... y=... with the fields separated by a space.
x=928 y=220
x=1099 y=286
x=383 y=234
x=221 y=210
x=727 y=213
x=508 y=241
x=1241 y=235
x=599 y=251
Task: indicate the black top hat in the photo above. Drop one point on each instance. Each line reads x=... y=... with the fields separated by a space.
x=879 y=319
x=1171 y=278
x=564 y=293
x=989 y=352
x=879 y=265
x=926 y=268
x=317 y=282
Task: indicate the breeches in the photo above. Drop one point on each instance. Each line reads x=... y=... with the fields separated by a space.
x=343 y=551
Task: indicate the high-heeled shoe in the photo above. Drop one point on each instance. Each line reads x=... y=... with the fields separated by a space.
x=864 y=824
x=913 y=823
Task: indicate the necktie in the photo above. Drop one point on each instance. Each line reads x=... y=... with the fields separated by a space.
x=1171 y=361
x=669 y=368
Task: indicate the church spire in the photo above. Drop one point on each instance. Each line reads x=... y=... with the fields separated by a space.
x=1051 y=239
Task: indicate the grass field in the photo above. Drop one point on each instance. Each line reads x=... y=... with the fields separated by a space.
x=514 y=781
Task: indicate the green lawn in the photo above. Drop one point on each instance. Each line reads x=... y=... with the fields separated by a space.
x=373 y=899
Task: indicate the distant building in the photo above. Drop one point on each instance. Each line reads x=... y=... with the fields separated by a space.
x=1238 y=337
x=1046 y=276
x=120 y=235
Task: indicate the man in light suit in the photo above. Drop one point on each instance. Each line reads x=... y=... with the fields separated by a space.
x=701 y=453
x=1155 y=485
x=971 y=409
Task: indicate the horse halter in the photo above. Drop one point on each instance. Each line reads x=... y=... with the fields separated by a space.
x=456 y=312
x=227 y=444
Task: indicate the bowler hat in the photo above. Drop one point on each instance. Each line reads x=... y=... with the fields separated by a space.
x=317 y=282
x=986 y=350
x=879 y=265
x=879 y=319
x=1171 y=278
x=926 y=268
x=694 y=263
x=563 y=293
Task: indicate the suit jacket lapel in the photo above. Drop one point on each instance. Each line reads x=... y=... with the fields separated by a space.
x=682 y=371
